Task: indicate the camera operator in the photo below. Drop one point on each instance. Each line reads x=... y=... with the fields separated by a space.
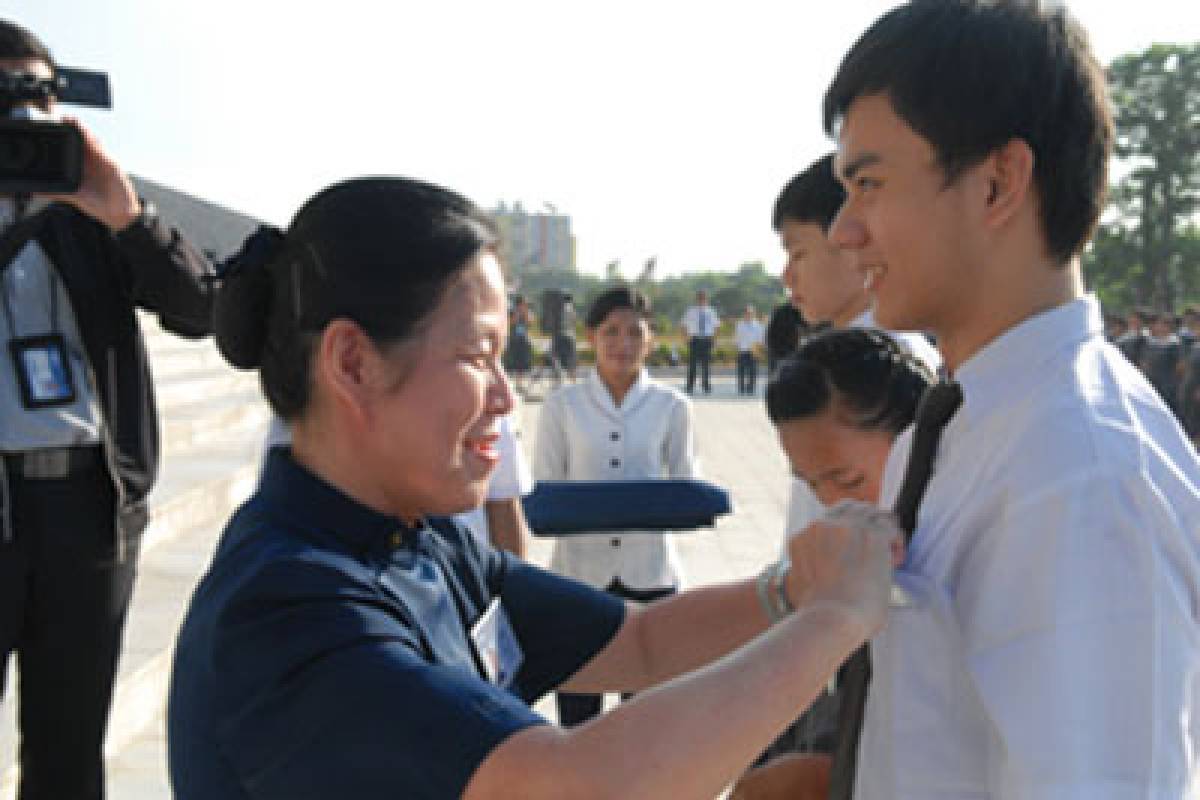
x=79 y=439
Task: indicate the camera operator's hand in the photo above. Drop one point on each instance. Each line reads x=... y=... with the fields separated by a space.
x=105 y=191
x=846 y=559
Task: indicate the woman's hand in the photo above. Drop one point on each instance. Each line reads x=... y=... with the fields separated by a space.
x=845 y=559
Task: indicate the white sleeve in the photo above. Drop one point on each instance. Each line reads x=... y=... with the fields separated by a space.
x=512 y=477
x=551 y=450
x=681 y=458
x=1080 y=637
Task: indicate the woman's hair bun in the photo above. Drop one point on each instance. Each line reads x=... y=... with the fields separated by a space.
x=242 y=308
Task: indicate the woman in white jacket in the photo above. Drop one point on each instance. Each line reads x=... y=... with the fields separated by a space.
x=616 y=424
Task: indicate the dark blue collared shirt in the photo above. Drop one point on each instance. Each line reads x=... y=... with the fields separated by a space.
x=327 y=651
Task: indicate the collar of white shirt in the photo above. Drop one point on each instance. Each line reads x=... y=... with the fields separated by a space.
x=602 y=397
x=1007 y=365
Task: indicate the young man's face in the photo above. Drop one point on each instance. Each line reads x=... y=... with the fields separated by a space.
x=906 y=231
x=820 y=279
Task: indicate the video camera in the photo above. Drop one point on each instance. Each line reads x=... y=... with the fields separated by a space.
x=38 y=155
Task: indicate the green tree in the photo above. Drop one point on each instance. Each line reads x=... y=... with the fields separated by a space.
x=1146 y=250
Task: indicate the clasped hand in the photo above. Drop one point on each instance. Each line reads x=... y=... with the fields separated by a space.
x=845 y=559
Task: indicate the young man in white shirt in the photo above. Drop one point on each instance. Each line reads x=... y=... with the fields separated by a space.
x=820 y=279
x=824 y=285
x=747 y=337
x=1049 y=646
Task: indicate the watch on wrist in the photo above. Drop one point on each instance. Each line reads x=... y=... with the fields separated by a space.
x=772 y=590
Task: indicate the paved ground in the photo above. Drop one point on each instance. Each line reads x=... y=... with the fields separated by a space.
x=214 y=453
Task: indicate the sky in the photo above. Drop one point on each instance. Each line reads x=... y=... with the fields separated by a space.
x=663 y=129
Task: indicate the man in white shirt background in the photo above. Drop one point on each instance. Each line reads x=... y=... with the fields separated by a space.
x=748 y=338
x=700 y=322
x=819 y=277
x=824 y=286
x=1048 y=646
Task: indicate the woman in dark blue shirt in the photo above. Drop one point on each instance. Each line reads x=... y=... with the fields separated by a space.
x=348 y=642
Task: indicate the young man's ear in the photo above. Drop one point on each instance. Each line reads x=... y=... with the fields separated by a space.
x=1009 y=175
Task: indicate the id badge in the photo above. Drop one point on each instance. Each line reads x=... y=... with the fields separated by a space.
x=496 y=645
x=43 y=370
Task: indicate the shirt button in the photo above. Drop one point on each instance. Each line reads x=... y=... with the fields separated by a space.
x=616 y=462
x=397 y=539
x=615 y=542
x=614 y=436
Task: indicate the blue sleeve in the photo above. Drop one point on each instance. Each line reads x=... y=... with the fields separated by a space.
x=560 y=623
x=334 y=699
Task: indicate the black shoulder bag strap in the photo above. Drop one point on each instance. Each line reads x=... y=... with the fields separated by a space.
x=13 y=240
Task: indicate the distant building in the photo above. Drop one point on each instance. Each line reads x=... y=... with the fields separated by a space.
x=537 y=241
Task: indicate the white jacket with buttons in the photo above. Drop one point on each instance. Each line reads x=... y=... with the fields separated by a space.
x=583 y=435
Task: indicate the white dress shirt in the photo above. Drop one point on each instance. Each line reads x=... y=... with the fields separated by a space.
x=583 y=435
x=748 y=333
x=701 y=321
x=1051 y=646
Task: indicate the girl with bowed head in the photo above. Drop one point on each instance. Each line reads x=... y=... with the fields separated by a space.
x=837 y=403
x=348 y=640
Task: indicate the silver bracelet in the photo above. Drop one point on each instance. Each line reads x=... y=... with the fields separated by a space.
x=771 y=592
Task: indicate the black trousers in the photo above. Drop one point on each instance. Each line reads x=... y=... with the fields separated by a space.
x=699 y=358
x=63 y=602
x=575 y=709
x=747 y=372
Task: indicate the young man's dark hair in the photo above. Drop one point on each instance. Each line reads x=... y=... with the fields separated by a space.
x=1021 y=70
x=17 y=42
x=813 y=195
